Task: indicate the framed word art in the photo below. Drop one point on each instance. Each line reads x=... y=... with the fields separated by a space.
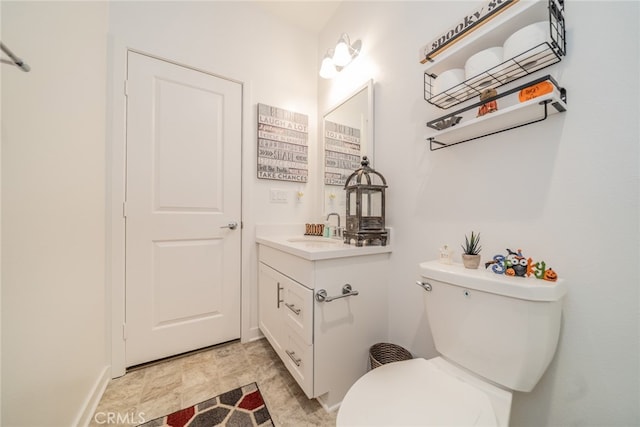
x=282 y=144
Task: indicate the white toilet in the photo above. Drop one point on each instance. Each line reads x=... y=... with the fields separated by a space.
x=495 y=334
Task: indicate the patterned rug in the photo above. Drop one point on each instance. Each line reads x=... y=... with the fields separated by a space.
x=242 y=407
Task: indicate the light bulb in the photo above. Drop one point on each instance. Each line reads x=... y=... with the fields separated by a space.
x=328 y=68
x=342 y=55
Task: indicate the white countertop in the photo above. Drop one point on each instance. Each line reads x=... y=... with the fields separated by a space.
x=315 y=248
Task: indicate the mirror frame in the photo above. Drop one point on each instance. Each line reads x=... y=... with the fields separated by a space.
x=369 y=150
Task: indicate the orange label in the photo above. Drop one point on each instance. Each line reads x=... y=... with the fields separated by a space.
x=535 y=91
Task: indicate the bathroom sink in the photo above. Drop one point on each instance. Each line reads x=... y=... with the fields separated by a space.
x=317 y=248
x=315 y=242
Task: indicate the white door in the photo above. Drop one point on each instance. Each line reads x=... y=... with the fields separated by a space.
x=183 y=192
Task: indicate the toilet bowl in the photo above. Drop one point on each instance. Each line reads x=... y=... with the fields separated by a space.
x=421 y=392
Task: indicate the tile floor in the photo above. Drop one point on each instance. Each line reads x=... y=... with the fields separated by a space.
x=163 y=388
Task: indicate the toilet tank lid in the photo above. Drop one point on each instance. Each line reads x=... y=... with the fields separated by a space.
x=526 y=288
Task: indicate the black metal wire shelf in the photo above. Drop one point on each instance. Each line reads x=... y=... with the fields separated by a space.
x=517 y=114
x=536 y=58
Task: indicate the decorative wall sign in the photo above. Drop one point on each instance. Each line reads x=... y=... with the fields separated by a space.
x=341 y=152
x=463 y=27
x=282 y=144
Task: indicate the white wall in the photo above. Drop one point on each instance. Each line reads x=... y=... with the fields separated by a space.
x=55 y=160
x=53 y=211
x=565 y=191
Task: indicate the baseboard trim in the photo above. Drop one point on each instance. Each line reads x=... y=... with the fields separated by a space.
x=325 y=406
x=93 y=398
x=252 y=334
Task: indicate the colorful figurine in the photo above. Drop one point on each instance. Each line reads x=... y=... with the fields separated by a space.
x=490 y=106
x=497 y=264
x=537 y=270
x=515 y=264
x=550 y=275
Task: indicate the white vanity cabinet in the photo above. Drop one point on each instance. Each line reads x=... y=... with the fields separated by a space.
x=324 y=344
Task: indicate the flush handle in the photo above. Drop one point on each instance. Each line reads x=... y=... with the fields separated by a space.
x=424 y=285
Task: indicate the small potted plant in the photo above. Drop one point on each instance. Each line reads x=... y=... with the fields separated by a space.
x=471 y=251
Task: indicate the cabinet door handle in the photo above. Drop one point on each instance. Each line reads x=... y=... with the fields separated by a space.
x=293 y=308
x=292 y=356
x=347 y=291
x=278 y=296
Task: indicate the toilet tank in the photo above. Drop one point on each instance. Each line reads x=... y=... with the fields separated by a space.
x=500 y=327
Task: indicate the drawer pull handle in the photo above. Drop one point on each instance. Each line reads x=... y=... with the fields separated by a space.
x=347 y=291
x=292 y=356
x=293 y=308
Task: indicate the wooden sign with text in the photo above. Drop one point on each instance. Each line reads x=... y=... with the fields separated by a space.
x=462 y=28
x=282 y=144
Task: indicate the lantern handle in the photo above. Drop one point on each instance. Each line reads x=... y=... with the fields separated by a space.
x=365 y=170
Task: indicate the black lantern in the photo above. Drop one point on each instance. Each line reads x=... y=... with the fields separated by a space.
x=365 y=206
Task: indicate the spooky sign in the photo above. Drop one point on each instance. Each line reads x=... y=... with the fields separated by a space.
x=463 y=27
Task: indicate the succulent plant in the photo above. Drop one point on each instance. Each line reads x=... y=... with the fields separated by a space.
x=472 y=244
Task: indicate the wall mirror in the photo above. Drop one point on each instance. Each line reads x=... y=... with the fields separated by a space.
x=347 y=136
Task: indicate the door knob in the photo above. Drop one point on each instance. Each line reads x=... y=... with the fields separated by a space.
x=231 y=225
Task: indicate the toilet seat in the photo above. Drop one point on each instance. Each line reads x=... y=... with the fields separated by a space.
x=420 y=392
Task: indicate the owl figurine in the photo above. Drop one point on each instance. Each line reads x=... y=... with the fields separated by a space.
x=515 y=263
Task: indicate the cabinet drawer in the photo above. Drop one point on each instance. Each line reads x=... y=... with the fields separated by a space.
x=298 y=358
x=298 y=309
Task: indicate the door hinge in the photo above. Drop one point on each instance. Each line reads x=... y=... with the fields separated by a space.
x=124 y=331
x=124 y=209
x=126 y=88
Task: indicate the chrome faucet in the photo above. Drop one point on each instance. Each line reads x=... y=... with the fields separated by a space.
x=336 y=214
x=337 y=231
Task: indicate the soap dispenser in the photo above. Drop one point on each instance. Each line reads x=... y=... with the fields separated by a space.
x=327 y=229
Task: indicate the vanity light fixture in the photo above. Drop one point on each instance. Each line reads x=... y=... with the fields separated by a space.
x=339 y=57
x=328 y=69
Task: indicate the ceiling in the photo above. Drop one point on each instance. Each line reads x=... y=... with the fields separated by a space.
x=308 y=14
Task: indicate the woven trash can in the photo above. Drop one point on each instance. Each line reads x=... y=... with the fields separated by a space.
x=382 y=353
